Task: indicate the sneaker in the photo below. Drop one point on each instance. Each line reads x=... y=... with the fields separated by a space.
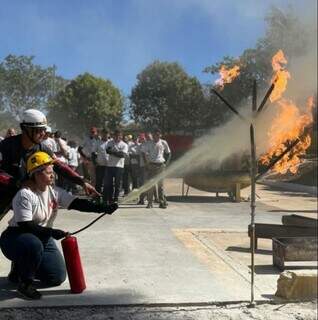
x=149 y=205
x=13 y=275
x=28 y=291
x=141 y=202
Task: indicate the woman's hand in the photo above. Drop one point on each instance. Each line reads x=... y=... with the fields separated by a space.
x=90 y=190
x=58 y=234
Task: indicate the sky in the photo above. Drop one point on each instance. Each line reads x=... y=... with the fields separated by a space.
x=117 y=39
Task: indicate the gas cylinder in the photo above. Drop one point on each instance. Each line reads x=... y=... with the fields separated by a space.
x=73 y=264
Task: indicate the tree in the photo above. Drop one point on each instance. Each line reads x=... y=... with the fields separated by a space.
x=166 y=97
x=86 y=101
x=25 y=85
x=284 y=31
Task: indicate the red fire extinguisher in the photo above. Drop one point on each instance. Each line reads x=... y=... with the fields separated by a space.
x=73 y=264
x=73 y=260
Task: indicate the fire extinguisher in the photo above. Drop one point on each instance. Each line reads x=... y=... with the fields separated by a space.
x=73 y=260
x=73 y=264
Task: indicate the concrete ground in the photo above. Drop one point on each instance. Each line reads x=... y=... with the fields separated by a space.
x=193 y=252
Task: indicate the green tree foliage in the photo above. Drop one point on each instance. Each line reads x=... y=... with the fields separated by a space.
x=24 y=84
x=86 y=101
x=166 y=97
x=284 y=31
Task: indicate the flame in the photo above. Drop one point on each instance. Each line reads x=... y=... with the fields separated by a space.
x=227 y=75
x=280 y=77
x=288 y=126
x=289 y=123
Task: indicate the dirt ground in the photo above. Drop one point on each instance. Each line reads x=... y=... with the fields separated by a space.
x=290 y=311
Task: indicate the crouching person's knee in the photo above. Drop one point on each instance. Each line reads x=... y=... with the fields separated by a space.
x=55 y=280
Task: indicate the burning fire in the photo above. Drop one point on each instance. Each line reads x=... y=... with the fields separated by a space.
x=280 y=77
x=289 y=124
x=227 y=75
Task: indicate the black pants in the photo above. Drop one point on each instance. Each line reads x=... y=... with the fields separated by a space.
x=100 y=173
x=134 y=175
x=126 y=180
x=112 y=179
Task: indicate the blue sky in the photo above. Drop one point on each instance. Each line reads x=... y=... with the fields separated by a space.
x=117 y=39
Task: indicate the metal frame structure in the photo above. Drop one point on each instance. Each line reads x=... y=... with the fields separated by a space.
x=254 y=176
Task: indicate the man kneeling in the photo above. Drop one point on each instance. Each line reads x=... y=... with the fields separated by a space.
x=28 y=240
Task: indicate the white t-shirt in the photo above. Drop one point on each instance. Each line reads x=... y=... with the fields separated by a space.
x=59 y=151
x=50 y=143
x=40 y=206
x=73 y=157
x=89 y=145
x=142 y=150
x=102 y=156
x=134 y=152
x=155 y=151
x=114 y=161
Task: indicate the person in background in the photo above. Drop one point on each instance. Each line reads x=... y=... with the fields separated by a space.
x=143 y=139
x=117 y=149
x=73 y=164
x=101 y=160
x=88 y=152
x=48 y=140
x=62 y=154
x=28 y=240
x=157 y=154
x=10 y=133
x=134 y=154
x=127 y=166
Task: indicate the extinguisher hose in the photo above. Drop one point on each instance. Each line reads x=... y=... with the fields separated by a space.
x=87 y=226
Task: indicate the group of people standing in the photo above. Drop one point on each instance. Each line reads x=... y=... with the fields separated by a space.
x=30 y=161
x=116 y=161
x=27 y=172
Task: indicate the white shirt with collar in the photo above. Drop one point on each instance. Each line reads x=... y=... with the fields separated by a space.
x=114 y=161
x=155 y=151
x=102 y=156
x=89 y=145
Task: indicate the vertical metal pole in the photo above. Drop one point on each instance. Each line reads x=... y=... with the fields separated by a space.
x=253 y=192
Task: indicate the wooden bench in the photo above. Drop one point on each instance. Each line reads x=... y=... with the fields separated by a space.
x=269 y=231
x=294 y=249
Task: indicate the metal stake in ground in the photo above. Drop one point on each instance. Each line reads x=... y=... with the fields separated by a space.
x=229 y=105
x=253 y=192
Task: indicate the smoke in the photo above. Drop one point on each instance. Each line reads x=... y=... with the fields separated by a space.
x=303 y=67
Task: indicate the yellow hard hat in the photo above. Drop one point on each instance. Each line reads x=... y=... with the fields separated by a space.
x=37 y=160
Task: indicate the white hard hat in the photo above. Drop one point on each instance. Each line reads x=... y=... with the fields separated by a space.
x=48 y=129
x=33 y=118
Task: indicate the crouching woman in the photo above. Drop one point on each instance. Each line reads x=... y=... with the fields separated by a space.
x=29 y=239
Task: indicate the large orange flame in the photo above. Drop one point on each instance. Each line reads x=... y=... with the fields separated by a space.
x=290 y=123
x=288 y=126
x=280 y=77
x=227 y=75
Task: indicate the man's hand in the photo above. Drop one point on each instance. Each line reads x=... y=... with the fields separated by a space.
x=90 y=190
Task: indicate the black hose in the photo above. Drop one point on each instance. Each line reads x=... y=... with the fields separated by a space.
x=87 y=226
